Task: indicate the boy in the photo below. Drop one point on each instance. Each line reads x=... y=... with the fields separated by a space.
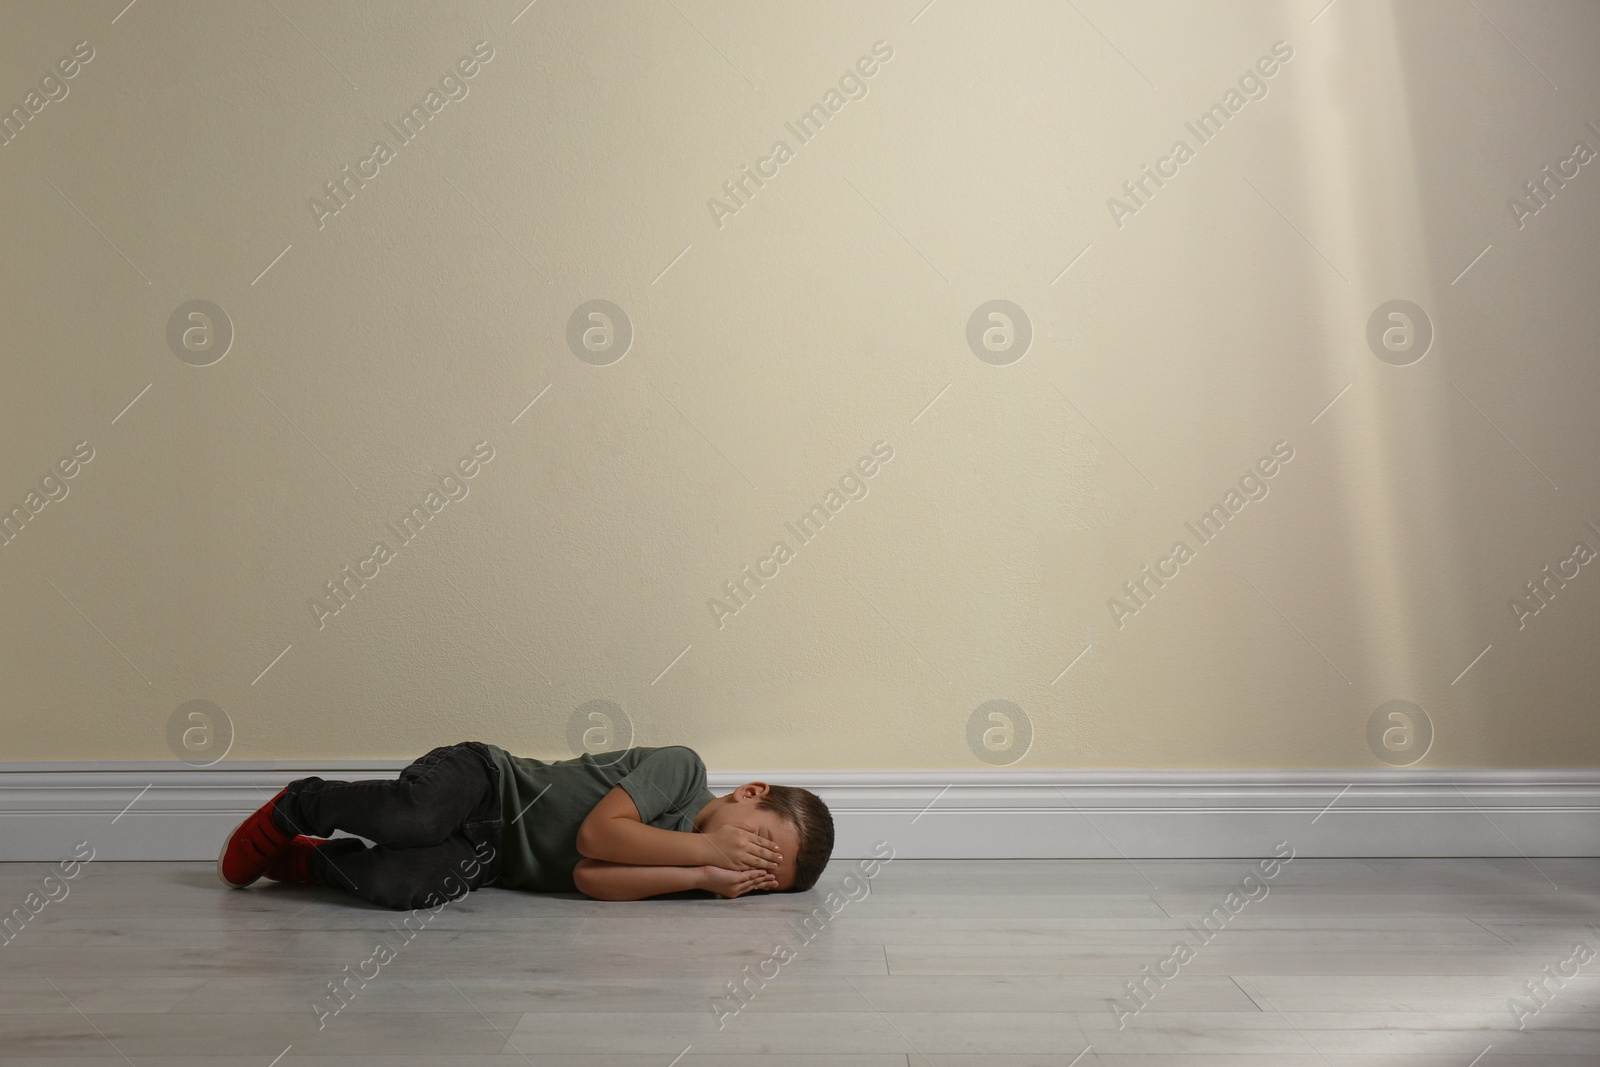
x=621 y=825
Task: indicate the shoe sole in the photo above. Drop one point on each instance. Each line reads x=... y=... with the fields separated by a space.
x=221 y=855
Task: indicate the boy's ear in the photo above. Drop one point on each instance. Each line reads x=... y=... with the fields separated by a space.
x=752 y=791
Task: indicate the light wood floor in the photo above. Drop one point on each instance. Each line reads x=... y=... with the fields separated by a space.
x=1344 y=962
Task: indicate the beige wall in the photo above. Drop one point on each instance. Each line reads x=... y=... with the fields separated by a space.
x=771 y=350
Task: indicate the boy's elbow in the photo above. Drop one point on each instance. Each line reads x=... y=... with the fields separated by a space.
x=587 y=879
x=584 y=881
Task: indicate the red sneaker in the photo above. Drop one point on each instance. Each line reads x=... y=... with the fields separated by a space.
x=294 y=862
x=252 y=847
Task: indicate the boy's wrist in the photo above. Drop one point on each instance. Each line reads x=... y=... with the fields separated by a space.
x=706 y=854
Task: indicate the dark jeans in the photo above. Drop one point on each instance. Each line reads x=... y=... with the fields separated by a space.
x=436 y=828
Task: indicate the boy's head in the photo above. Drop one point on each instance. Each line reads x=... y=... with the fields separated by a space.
x=795 y=818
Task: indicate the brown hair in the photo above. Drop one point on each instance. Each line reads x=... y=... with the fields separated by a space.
x=810 y=816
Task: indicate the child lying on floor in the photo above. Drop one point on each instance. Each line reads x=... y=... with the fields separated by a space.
x=621 y=825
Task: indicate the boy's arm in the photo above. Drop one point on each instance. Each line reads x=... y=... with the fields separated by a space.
x=619 y=881
x=623 y=881
x=614 y=832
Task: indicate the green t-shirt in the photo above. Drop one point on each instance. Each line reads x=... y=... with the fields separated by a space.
x=543 y=804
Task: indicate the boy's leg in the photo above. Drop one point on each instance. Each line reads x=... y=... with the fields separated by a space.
x=406 y=878
x=430 y=801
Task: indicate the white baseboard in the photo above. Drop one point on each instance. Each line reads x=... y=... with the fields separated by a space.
x=168 y=811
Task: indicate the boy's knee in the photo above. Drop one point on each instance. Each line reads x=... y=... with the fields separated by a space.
x=399 y=892
x=420 y=822
x=426 y=899
x=407 y=892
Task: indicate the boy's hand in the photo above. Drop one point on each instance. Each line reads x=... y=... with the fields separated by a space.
x=743 y=850
x=730 y=884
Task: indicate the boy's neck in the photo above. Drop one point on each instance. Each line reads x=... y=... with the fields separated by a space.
x=705 y=813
